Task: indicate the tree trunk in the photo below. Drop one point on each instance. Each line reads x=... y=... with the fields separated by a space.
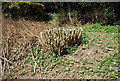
x=69 y=14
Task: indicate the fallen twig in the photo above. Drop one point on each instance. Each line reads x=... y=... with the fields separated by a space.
x=35 y=63
x=6 y=59
x=28 y=30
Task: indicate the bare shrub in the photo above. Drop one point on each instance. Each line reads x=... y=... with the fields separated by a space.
x=55 y=39
x=17 y=41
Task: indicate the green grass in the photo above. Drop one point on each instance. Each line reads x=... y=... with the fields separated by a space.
x=99 y=28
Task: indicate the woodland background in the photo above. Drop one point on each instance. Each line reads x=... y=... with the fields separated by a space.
x=65 y=12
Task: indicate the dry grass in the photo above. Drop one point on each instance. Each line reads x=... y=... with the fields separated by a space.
x=18 y=39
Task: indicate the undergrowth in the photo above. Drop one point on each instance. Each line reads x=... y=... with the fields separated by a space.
x=29 y=58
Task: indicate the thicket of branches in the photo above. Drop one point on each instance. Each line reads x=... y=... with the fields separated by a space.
x=64 y=13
